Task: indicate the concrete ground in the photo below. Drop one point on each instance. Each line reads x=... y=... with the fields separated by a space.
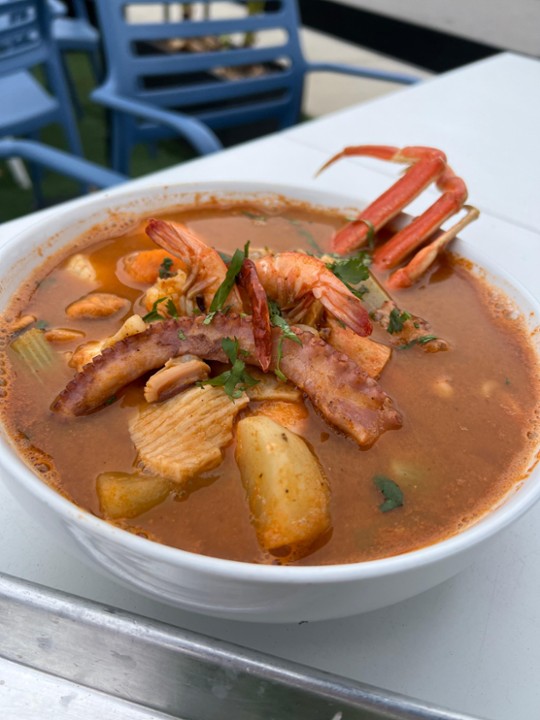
x=328 y=92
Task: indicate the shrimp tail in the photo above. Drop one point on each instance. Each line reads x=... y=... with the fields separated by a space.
x=346 y=308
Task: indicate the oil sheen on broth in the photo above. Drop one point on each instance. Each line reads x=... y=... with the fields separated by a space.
x=469 y=413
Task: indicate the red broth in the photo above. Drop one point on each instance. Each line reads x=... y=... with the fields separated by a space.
x=470 y=415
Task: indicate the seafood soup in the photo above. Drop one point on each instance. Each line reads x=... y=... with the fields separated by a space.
x=215 y=379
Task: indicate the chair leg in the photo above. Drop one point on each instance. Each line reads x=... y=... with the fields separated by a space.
x=120 y=143
x=19 y=172
x=77 y=107
x=36 y=174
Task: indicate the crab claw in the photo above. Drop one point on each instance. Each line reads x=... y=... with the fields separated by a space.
x=426 y=165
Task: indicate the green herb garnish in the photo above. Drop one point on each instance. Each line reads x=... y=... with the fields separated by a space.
x=181 y=334
x=392 y=493
x=224 y=290
x=165 y=268
x=352 y=272
x=171 y=308
x=277 y=320
x=154 y=314
x=417 y=341
x=396 y=320
x=42 y=324
x=304 y=232
x=255 y=216
x=370 y=233
x=236 y=380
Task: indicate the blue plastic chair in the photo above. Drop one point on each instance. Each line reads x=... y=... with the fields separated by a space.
x=26 y=105
x=153 y=85
x=77 y=34
x=57 y=8
x=60 y=161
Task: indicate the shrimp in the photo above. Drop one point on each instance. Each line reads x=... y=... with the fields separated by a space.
x=206 y=270
x=294 y=280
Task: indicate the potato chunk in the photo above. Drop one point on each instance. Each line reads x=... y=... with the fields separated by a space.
x=371 y=356
x=292 y=415
x=269 y=387
x=288 y=494
x=125 y=496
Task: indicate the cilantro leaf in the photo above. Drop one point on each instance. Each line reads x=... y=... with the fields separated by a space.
x=223 y=291
x=171 y=308
x=236 y=380
x=391 y=492
x=165 y=268
x=397 y=320
x=352 y=272
x=154 y=314
x=277 y=320
x=417 y=341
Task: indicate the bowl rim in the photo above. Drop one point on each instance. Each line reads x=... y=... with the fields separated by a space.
x=524 y=494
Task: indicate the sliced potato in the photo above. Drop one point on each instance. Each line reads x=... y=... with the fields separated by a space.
x=371 y=356
x=269 y=387
x=125 y=496
x=292 y=415
x=184 y=436
x=288 y=494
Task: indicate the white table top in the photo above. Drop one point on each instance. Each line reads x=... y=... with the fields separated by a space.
x=473 y=643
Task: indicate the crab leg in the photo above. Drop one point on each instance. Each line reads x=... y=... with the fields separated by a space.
x=422 y=227
x=426 y=166
x=408 y=275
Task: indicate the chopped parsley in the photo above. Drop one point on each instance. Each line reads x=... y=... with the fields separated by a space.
x=165 y=268
x=277 y=320
x=352 y=272
x=396 y=320
x=236 y=380
x=181 y=334
x=393 y=497
x=154 y=314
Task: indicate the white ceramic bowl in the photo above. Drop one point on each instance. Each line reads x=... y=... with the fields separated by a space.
x=218 y=587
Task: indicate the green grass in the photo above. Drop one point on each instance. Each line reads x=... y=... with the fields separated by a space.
x=16 y=202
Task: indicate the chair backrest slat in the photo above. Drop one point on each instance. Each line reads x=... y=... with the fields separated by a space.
x=24 y=35
x=172 y=63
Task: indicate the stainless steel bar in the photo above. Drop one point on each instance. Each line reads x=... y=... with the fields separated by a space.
x=153 y=670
